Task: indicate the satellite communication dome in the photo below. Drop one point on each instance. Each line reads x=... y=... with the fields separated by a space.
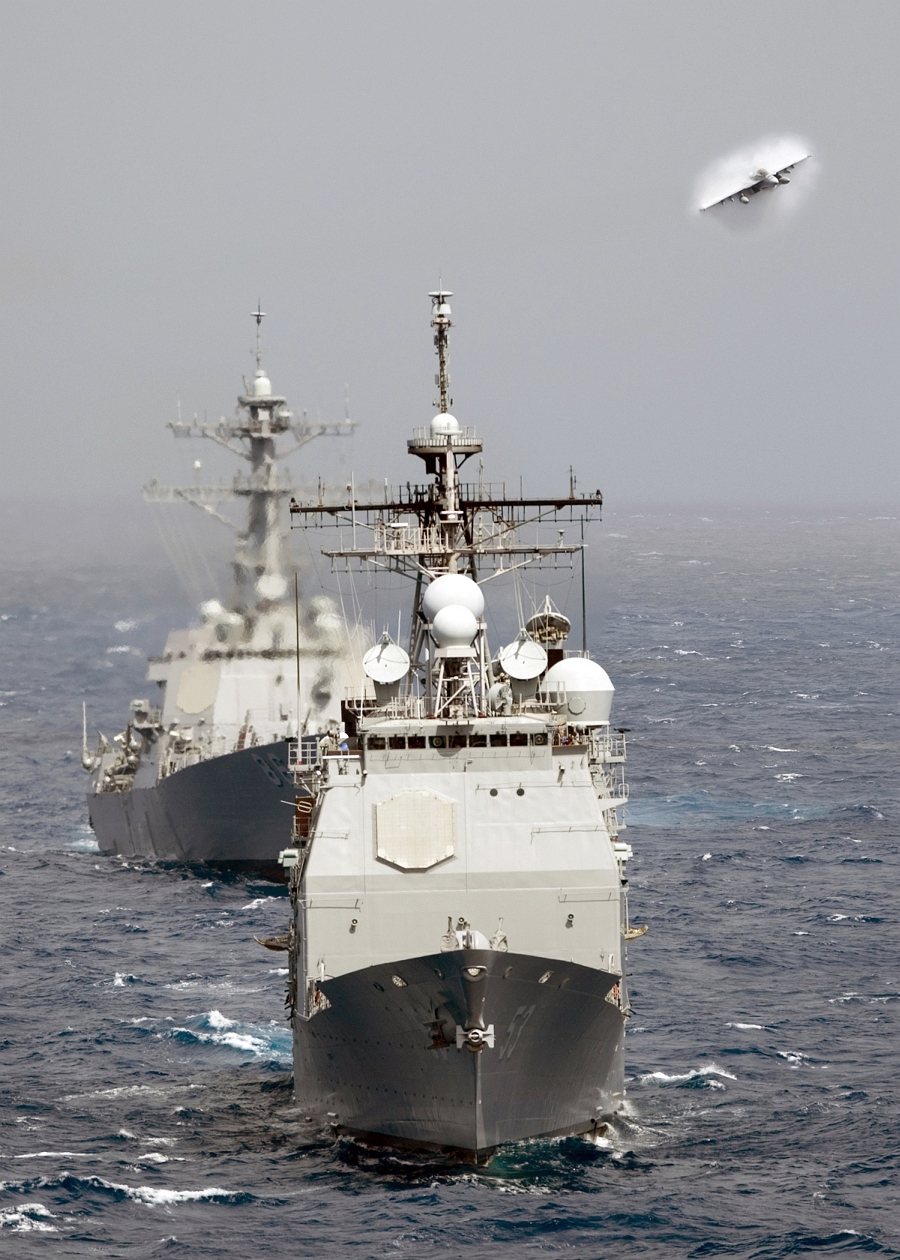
x=262 y=386
x=453 y=588
x=386 y=662
x=523 y=659
x=454 y=626
x=444 y=425
x=271 y=586
x=581 y=690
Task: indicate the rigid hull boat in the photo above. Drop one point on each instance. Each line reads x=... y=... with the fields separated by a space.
x=201 y=772
x=457 y=880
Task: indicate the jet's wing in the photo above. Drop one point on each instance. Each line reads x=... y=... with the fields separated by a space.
x=748 y=189
x=739 y=191
x=786 y=170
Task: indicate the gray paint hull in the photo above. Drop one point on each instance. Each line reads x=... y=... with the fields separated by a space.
x=557 y=1064
x=234 y=810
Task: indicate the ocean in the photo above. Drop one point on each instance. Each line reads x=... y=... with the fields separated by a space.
x=144 y=1055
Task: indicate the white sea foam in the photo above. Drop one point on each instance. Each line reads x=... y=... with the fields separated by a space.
x=795 y=1057
x=57 y=1155
x=708 y=1071
x=746 y=1027
x=214 y=1028
x=31 y=1216
x=259 y=901
x=153 y=1196
x=125 y=1091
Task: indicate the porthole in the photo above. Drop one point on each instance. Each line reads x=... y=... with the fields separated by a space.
x=398 y=981
x=520 y=791
x=493 y=791
x=545 y=977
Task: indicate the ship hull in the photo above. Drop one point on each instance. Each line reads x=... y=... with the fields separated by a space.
x=369 y=1060
x=233 y=811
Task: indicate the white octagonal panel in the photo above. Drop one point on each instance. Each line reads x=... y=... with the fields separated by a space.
x=415 y=830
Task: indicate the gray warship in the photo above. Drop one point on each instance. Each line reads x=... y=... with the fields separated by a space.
x=201 y=772
x=459 y=899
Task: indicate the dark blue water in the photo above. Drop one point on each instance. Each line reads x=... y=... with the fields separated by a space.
x=146 y=1102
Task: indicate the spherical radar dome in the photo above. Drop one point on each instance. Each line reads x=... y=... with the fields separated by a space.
x=271 y=586
x=454 y=626
x=453 y=588
x=444 y=425
x=583 y=688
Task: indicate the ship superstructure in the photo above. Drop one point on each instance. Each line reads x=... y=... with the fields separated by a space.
x=457 y=878
x=201 y=771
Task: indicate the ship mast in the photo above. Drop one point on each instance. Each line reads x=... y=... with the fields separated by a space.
x=261 y=553
x=447 y=526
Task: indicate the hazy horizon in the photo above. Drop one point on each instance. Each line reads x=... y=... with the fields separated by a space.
x=171 y=164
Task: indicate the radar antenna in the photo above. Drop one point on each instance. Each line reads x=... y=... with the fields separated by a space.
x=440 y=322
x=259 y=315
x=262 y=418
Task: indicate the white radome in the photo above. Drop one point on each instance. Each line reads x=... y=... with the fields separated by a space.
x=454 y=626
x=583 y=687
x=271 y=586
x=453 y=588
x=262 y=386
x=444 y=425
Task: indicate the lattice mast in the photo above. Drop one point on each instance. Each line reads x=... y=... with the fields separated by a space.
x=261 y=558
x=446 y=526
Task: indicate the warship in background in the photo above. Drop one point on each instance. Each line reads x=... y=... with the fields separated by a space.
x=201 y=771
x=460 y=917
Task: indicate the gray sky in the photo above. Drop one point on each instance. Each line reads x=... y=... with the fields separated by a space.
x=166 y=164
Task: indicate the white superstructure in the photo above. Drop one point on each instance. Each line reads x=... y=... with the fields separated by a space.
x=256 y=672
x=457 y=878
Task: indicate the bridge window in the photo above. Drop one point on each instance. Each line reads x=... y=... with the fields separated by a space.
x=375 y=743
x=457 y=740
x=518 y=739
x=478 y=741
x=397 y=741
x=498 y=739
x=539 y=739
x=415 y=741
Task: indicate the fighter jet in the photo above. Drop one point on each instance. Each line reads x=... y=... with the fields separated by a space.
x=759 y=182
